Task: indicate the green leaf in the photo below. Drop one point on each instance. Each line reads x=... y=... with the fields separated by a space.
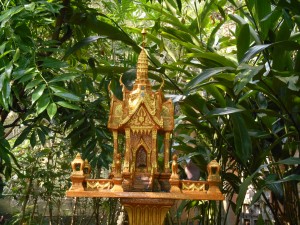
x=42 y=136
x=292 y=82
x=82 y=43
x=33 y=84
x=292 y=177
x=253 y=51
x=68 y=105
x=286 y=45
x=216 y=93
x=22 y=136
x=64 y=77
x=54 y=63
x=216 y=58
x=30 y=7
x=289 y=161
x=256 y=196
x=262 y=9
x=179 y=5
x=241 y=21
x=245 y=76
x=51 y=110
x=9 y=13
x=16 y=55
x=243 y=41
x=42 y=104
x=242 y=140
x=37 y=93
x=205 y=75
x=104 y=26
x=33 y=139
x=223 y=111
x=242 y=193
x=68 y=96
x=57 y=88
x=260 y=220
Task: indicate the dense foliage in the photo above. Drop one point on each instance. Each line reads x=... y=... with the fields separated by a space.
x=231 y=67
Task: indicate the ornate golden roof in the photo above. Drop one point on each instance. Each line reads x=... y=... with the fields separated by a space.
x=141 y=96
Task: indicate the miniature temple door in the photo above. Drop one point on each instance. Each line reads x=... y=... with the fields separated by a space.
x=141 y=159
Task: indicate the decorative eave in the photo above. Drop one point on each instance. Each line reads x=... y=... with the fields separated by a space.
x=158 y=121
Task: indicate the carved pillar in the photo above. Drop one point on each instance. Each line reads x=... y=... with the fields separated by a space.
x=154 y=151
x=167 y=152
x=147 y=211
x=115 y=136
x=127 y=150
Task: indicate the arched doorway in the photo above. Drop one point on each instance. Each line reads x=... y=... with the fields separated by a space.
x=141 y=160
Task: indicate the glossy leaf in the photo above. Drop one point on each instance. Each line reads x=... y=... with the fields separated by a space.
x=64 y=77
x=68 y=96
x=42 y=104
x=68 y=105
x=243 y=41
x=223 y=111
x=37 y=93
x=286 y=45
x=32 y=84
x=51 y=110
x=205 y=75
x=242 y=141
x=216 y=58
x=81 y=44
x=242 y=193
x=292 y=177
x=54 y=63
x=289 y=161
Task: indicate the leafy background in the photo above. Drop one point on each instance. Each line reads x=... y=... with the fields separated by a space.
x=231 y=68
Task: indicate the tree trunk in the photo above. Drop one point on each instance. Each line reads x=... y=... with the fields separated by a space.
x=27 y=195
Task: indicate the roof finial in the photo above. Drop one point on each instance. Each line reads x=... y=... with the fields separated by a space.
x=144 y=32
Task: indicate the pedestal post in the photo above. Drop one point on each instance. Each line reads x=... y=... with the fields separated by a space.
x=127 y=150
x=115 y=137
x=167 y=152
x=147 y=211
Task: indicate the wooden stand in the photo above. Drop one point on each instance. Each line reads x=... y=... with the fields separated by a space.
x=147 y=211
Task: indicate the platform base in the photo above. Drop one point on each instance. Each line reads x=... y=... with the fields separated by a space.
x=147 y=211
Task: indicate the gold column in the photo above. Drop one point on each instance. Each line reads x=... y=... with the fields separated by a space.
x=127 y=150
x=154 y=151
x=115 y=136
x=147 y=211
x=167 y=152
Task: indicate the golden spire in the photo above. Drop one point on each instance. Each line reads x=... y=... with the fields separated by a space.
x=142 y=66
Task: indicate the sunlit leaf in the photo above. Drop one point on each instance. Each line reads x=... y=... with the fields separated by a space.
x=51 y=110
x=42 y=104
x=68 y=105
x=223 y=111
x=64 y=77
x=37 y=93
x=68 y=96
x=242 y=193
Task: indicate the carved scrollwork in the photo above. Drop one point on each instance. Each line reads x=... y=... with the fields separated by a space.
x=193 y=186
x=99 y=184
